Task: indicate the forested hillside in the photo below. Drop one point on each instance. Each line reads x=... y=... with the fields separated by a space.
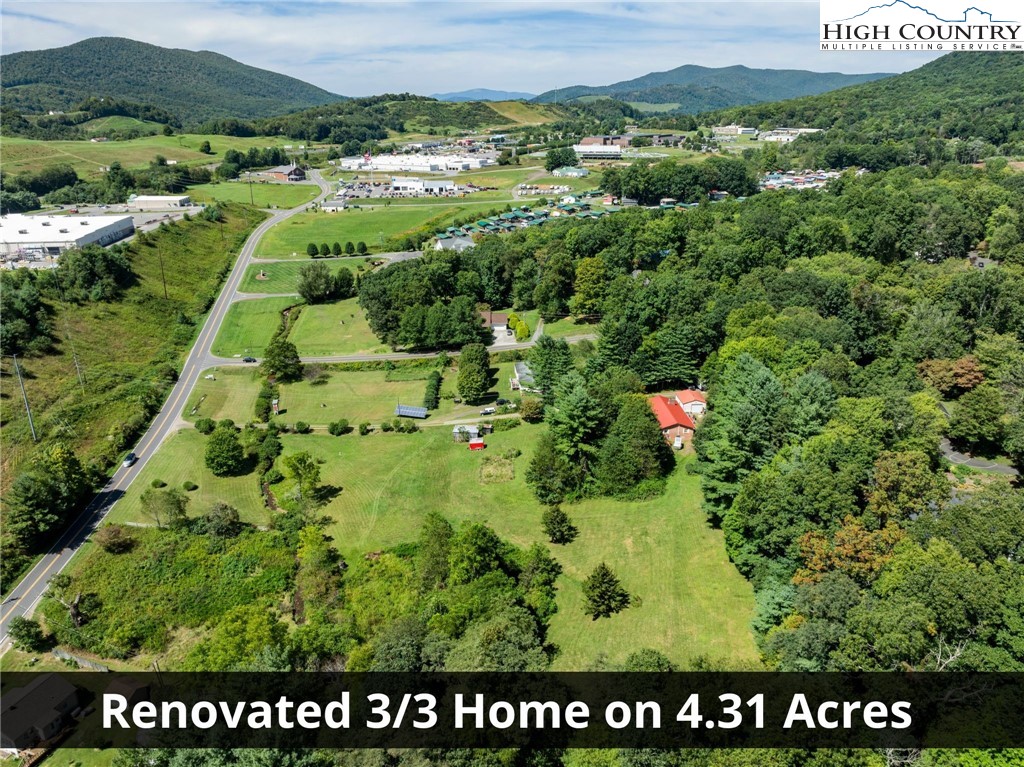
x=699 y=89
x=193 y=85
x=961 y=95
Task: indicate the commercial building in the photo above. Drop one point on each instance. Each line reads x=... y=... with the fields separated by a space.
x=570 y=172
x=286 y=173
x=37 y=240
x=733 y=130
x=158 y=202
x=598 y=151
x=421 y=186
x=416 y=163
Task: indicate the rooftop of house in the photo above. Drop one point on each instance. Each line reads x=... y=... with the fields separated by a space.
x=670 y=414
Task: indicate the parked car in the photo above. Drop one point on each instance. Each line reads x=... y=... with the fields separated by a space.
x=488 y=411
x=501 y=402
x=248 y=359
x=129 y=460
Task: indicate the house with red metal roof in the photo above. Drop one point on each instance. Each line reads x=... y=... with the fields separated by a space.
x=678 y=414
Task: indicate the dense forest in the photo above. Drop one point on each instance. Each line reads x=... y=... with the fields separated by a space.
x=194 y=86
x=701 y=89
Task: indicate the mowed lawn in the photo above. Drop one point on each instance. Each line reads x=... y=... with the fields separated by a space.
x=355 y=395
x=367 y=224
x=331 y=329
x=689 y=600
x=563 y=327
x=264 y=194
x=283 y=276
x=249 y=325
x=231 y=393
x=180 y=459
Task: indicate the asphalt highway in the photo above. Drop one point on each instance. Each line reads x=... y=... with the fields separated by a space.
x=26 y=595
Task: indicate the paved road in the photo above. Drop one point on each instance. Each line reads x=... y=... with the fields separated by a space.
x=26 y=594
x=965 y=459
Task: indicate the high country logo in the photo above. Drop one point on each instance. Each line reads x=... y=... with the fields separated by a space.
x=903 y=25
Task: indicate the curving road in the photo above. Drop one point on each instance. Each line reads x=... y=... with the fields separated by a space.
x=25 y=596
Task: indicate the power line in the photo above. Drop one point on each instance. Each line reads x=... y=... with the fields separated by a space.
x=24 y=395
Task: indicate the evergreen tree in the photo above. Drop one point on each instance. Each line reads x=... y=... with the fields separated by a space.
x=575 y=423
x=558 y=526
x=350 y=249
x=549 y=474
x=634 y=457
x=550 y=359
x=603 y=594
x=336 y=248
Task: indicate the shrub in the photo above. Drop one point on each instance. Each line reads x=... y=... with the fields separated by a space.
x=158 y=483
x=364 y=429
x=113 y=539
x=312 y=250
x=360 y=247
x=349 y=248
x=505 y=424
x=337 y=428
x=273 y=476
x=387 y=426
x=431 y=396
x=301 y=427
x=190 y=486
x=205 y=425
x=531 y=409
x=225 y=423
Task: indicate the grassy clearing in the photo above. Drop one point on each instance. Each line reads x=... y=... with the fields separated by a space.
x=87 y=158
x=180 y=460
x=524 y=113
x=249 y=325
x=231 y=393
x=264 y=194
x=118 y=345
x=367 y=224
x=330 y=329
x=102 y=125
x=283 y=277
x=567 y=326
x=691 y=599
x=354 y=395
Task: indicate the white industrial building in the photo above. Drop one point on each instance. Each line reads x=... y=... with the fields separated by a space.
x=37 y=240
x=597 y=151
x=733 y=130
x=416 y=163
x=158 y=202
x=421 y=186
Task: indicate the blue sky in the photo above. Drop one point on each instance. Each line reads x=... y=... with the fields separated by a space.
x=359 y=48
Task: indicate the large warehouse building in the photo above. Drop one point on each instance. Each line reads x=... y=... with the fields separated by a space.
x=158 y=202
x=38 y=240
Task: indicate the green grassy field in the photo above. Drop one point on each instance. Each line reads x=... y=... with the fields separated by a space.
x=283 y=277
x=337 y=328
x=369 y=225
x=180 y=460
x=86 y=157
x=523 y=113
x=567 y=326
x=101 y=125
x=264 y=194
x=116 y=343
x=230 y=394
x=249 y=325
x=363 y=395
x=690 y=599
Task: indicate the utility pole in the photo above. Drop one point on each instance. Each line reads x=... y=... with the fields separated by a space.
x=24 y=396
x=162 y=276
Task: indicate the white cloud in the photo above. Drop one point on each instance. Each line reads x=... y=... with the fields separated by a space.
x=424 y=47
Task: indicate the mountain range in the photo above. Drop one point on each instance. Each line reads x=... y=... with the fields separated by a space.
x=194 y=85
x=693 y=88
x=483 y=94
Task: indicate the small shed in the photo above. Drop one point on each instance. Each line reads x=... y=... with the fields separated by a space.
x=465 y=433
x=477 y=444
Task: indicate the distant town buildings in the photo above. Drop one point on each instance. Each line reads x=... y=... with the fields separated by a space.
x=786 y=135
x=733 y=130
x=36 y=241
x=408 y=185
x=416 y=162
x=598 y=151
x=570 y=172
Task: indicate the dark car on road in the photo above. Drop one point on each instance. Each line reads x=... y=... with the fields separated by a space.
x=248 y=359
